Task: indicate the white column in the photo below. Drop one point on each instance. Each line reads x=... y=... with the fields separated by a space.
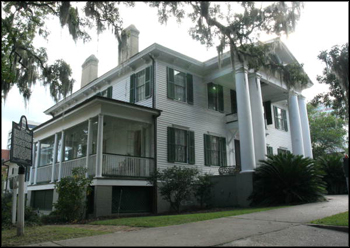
x=88 y=146
x=245 y=122
x=295 y=124
x=305 y=127
x=54 y=158
x=99 y=149
x=62 y=157
x=256 y=103
x=31 y=178
x=37 y=161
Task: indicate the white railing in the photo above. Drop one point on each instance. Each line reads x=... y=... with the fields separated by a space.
x=119 y=165
x=44 y=174
x=67 y=166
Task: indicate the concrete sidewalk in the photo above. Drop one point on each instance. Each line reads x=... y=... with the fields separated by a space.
x=279 y=227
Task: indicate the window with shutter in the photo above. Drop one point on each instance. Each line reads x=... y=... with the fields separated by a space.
x=215 y=150
x=215 y=97
x=181 y=146
x=141 y=85
x=280 y=118
x=269 y=150
x=179 y=86
x=268 y=114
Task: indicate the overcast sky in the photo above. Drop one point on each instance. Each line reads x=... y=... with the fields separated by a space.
x=322 y=25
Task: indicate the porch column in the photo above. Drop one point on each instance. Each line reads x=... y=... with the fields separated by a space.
x=305 y=126
x=295 y=124
x=62 y=157
x=99 y=148
x=37 y=161
x=54 y=158
x=31 y=178
x=245 y=121
x=257 y=117
x=88 y=146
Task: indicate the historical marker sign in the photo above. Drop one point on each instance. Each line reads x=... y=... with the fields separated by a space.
x=21 y=143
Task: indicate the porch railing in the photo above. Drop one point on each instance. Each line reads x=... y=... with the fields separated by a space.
x=121 y=165
x=112 y=165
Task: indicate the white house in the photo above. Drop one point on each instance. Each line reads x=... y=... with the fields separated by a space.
x=159 y=108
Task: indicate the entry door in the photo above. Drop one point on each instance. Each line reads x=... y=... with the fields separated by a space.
x=238 y=153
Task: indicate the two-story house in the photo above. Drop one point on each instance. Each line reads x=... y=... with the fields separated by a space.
x=159 y=108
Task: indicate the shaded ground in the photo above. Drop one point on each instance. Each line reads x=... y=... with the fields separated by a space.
x=107 y=228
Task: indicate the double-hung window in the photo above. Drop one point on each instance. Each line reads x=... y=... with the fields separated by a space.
x=141 y=85
x=179 y=86
x=214 y=150
x=215 y=97
x=282 y=151
x=269 y=150
x=180 y=146
x=280 y=118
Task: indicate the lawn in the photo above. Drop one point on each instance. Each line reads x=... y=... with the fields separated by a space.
x=39 y=234
x=341 y=219
x=168 y=220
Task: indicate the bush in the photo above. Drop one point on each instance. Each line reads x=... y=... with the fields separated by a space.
x=287 y=179
x=6 y=208
x=31 y=217
x=332 y=165
x=203 y=189
x=72 y=191
x=177 y=184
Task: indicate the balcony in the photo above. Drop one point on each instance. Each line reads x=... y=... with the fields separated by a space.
x=232 y=121
x=113 y=165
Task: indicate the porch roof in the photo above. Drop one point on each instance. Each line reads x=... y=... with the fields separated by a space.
x=100 y=99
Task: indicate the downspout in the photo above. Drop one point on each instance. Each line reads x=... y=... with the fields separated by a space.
x=155 y=191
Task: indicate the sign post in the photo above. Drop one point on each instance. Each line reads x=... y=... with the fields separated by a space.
x=21 y=154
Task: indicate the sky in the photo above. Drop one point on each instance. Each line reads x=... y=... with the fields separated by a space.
x=321 y=26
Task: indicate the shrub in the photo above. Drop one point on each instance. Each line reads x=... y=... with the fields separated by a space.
x=203 y=189
x=72 y=191
x=287 y=179
x=177 y=184
x=6 y=208
x=31 y=217
x=332 y=165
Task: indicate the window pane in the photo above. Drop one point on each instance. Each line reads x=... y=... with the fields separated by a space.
x=140 y=85
x=180 y=146
x=46 y=151
x=180 y=85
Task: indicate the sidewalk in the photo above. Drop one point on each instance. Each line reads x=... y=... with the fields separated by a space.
x=286 y=226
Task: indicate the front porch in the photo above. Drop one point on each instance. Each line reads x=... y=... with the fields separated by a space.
x=115 y=143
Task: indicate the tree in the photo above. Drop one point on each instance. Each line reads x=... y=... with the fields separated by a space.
x=23 y=64
x=327 y=132
x=239 y=31
x=336 y=75
x=176 y=184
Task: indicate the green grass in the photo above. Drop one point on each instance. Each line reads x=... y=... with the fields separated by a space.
x=39 y=234
x=341 y=219
x=168 y=220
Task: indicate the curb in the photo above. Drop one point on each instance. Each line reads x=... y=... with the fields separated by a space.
x=335 y=228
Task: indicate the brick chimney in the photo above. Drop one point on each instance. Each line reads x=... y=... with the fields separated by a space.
x=90 y=70
x=129 y=45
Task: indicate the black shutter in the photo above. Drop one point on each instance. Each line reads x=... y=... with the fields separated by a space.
x=189 y=88
x=233 y=102
x=220 y=98
x=207 y=150
x=170 y=83
x=223 y=158
x=211 y=96
x=171 y=144
x=148 y=82
x=132 y=88
x=110 y=91
x=268 y=113
x=191 y=151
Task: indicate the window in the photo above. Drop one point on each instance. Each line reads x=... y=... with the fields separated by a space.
x=215 y=150
x=180 y=146
x=46 y=151
x=233 y=102
x=106 y=93
x=140 y=85
x=280 y=118
x=215 y=97
x=75 y=141
x=42 y=199
x=282 y=151
x=180 y=86
x=269 y=150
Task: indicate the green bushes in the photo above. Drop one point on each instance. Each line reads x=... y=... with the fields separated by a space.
x=287 y=179
x=332 y=165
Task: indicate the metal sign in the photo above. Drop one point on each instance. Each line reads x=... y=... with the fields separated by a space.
x=21 y=143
